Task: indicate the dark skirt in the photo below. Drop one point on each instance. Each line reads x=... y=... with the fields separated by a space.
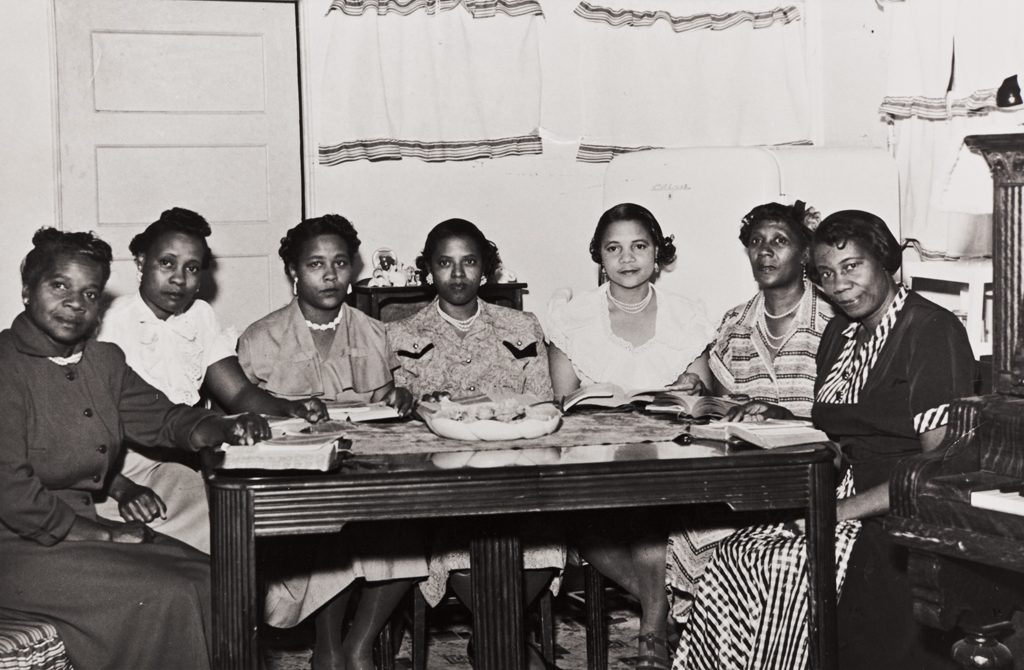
x=877 y=630
x=114 y=605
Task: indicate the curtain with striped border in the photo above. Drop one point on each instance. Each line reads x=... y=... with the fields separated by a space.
x=437 y=80
x=947 y=59
x=671 y=73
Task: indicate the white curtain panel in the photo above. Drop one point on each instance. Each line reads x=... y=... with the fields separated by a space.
x=434 y=80
x=689 y=73
x=947 y=59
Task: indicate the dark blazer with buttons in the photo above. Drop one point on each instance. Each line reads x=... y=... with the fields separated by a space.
x=503 y=352
x=61 y=429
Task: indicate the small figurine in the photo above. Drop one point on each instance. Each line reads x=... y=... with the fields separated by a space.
x=504 y=276
x=387 y=271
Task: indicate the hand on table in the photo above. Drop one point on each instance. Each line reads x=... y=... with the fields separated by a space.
x=401 y=399
x=247 y=429
x=312 y=410
x=758 y=411
x=690 y=383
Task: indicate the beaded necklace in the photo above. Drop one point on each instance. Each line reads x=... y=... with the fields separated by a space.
x=632 y=307
x=326 y=326
x=464 y=324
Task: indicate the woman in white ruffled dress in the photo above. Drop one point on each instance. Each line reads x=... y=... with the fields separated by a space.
x=627 y=333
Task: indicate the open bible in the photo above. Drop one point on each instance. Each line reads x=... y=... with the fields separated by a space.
x=768 y=434
x=294 y=445
x=657 y=399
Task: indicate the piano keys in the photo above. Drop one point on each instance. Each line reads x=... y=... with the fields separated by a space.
x=1008 y=499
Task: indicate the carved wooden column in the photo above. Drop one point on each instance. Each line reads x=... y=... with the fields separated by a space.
x=1005 y=157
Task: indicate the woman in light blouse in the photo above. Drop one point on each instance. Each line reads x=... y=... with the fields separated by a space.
x=174 y=341
x=317 y=345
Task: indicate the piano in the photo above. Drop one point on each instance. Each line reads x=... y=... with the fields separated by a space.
x=965 y=536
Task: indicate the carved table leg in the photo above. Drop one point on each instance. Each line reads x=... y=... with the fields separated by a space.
x=821 y=568
x=233 y=580
x=497 y=581
x=597 y=634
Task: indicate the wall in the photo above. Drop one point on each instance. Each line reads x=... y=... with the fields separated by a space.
x=27 y=182
x=540 y=210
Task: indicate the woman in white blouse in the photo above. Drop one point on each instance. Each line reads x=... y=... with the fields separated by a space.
x=174 y=342
x=627 y=333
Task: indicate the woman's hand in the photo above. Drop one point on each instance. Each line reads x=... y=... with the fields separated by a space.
x=401 y=399
x=247 y=429
x=758 y=411
x=690 y=383
x=312 y=410
x=140 y=503
x=103 y=530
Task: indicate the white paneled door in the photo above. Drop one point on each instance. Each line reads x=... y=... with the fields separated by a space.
x=184 y=103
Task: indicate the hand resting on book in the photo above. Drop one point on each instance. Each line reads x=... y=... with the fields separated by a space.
x=758 y=411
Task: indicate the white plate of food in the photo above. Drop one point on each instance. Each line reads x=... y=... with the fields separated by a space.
x=513 y=418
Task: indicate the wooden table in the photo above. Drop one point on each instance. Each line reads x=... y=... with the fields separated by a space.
x=595 y=461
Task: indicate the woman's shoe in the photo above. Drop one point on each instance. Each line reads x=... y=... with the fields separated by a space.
x=652 y=653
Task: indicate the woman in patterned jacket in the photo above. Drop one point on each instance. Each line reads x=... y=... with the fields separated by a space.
x=463 y=346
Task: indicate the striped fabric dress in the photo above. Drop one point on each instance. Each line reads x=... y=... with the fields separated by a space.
x=743 y=363
x=756 y=585
x=750 y=611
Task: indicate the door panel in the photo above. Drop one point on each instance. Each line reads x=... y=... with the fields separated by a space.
x=191 y=104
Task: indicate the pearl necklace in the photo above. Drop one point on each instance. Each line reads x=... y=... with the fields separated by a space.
x=326 y=326
x=774 y=341
x=764 y=308
x=73 y=359
x=632 y=307
x=465 y=324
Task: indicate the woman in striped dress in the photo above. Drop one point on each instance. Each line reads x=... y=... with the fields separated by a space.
x=888 y=365
x=764 y=349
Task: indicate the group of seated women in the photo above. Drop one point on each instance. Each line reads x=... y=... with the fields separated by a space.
x=104 y=536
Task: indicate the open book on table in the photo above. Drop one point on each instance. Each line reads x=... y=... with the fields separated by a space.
x=658 y=399
x=360 y=411
x=769 y=434
x=691 y=406
x=294 y=444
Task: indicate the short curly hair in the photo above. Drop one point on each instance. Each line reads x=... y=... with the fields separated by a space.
x=791 y=216
x=868 y=230
x=308 y=229
x=174 y=220
x=628 y=211
x=449 y=229
x=49 y=245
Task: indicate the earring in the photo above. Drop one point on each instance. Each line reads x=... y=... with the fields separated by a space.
x=295 y=286
x=430 y=279
x=24 y=301
x=602 y=276
x=483 y=280
x=138 y=275
x=657 y=268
